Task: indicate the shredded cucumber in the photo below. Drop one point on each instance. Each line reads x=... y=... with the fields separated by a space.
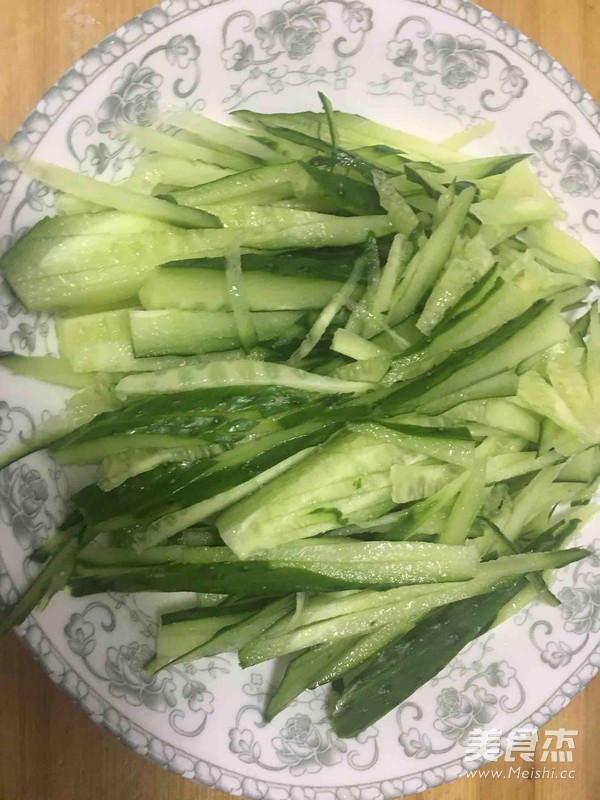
x=179 y=147
x=233 y=373
x=360 y=420
x=118 y=197
x=206 y=290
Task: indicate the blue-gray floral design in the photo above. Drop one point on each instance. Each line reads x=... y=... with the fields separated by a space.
x=431 y=64
x=305 y=748
x=254 y=45
x=127 y=678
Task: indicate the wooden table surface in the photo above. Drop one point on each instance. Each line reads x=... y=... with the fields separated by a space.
x=49 y=750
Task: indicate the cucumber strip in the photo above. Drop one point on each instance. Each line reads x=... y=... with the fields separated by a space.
x=82 y=271
x=412 y=482
x=52 y=545
x=51 y=577
x=117 y=197
x=517 y=211
x=288 y=180
x=233 y=373
x=45 y=368
x=172 y=523
x=331 y=125
x=392 y=272
x=496 y=414
x=342 y=628
x=96 y=450
x=409 y=662
x=371 y=370
x=178 y=638
x=405 y=613
x=505 y=546
x=536 y=394
x=336 y=477
x=274 y=578
x=155 y=174
x=301 y=673
x=206 y=290
x=274 y=228
x=428 y=516
x=96 y=342
x=68 y=205
x=426 y=265
x=327 y=315
x=328 y=606
x=354 y=655
x=528 y=503
x=516 y=604
x=355 y=346
x=534 y=331
x=220 y=136
x=592 y=357
x=404 y=218
x=521 y=182
x=345 y=551
x=460 y=139
x=353 y=131
x=119 y=467
x=399 y=338
x=471 y=260
x=366 y=132
x=172 y=554
x=406 y=664
x=155 y=170
x=438 y=444
x=477 y=168
x=505 y=384
x=524 y=284
x=500 y=413
x=247 y=328
x=105 y=342
x=229 y=638
x=79 y=409
x=344 y=194
x=467 y=506
x=582 y=468
x=317 y=512
x=550 y=238
x=161 y=333
x=175 y=146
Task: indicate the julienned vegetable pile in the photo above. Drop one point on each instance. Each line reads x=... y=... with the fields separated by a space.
x=341 y=382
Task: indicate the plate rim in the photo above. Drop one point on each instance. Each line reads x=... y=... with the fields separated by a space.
x=32 y=635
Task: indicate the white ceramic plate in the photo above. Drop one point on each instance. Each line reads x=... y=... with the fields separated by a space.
x=433 y=67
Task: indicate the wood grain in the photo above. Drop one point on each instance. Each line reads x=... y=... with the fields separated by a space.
x=48 y=749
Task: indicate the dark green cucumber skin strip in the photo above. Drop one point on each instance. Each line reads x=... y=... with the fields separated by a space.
x=173 y=486
x=508 y=547
x=242 y=578
x=409 y=662
x=233 y=637
x=203 y=612
x=329 y=263
x=339 y=156
x=351 y=196
x=58 y=563
x=302 y=672
x=53 y=576
x=206 y=413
